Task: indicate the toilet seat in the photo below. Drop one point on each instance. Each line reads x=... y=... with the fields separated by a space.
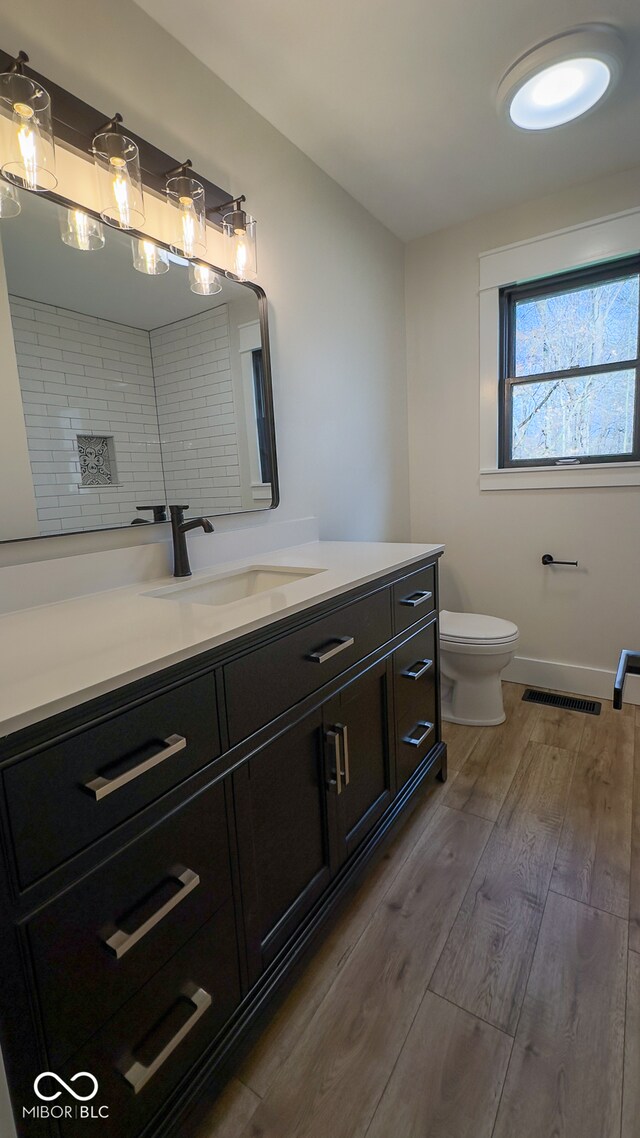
x=476 y=630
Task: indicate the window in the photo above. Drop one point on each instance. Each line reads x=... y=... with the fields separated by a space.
x=570 y=368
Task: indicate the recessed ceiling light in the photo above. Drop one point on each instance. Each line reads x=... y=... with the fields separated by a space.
x=562 y=78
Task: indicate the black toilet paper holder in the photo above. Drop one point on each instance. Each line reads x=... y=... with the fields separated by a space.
x=549 y=559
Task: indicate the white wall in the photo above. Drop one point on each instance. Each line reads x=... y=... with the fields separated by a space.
x=333 y=275
x=495 y=540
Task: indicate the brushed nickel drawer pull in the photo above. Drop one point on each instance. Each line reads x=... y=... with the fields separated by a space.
x=339 y=642
x=344 y=736
x=411 y=739
x=417 y=598
x=137 y=1075
x=101 y=787
x=120 y=942
x=417 y=671
x=333 y=738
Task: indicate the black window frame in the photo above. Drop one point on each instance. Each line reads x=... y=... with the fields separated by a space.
x=550 y=286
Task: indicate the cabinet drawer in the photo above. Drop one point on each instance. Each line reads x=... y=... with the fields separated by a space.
x=151 y=1043
x=266 y=682
x=414 y=667
x=416 y=734
x=414 y=597
x=100 y=942
x=61 y=799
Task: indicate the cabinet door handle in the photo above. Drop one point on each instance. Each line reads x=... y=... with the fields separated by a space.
x=344 y=738
x=137 y=1075
x=339 y=644
x=101 y=787
x=333 y=738
x=120 y=941
x=417 y=598
x=417 y=741
x=417 y=670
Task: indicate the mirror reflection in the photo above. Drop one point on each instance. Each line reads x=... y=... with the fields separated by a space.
x=142 y=380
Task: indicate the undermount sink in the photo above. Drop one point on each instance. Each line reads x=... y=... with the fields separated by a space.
x=236 y=586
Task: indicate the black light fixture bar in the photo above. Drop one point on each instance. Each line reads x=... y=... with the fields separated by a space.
x=76 y=123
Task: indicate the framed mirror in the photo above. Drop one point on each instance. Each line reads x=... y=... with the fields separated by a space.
x=122 y=389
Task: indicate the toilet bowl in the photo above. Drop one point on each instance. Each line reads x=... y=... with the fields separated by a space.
x=474 y=651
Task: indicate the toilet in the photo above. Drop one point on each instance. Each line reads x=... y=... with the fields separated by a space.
x=474 y=651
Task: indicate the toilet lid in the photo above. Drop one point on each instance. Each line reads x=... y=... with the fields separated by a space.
x=466 y=627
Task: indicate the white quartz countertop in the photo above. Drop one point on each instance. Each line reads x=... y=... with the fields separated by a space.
x=56 y=656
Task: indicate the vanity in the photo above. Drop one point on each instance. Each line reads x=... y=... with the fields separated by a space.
x=173 y=847
x=193 y=773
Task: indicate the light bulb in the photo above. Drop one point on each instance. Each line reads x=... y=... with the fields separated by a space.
x=121 y=192
x=148 y=258
x=81 y=231
x=203 y=280
x=28 y=138
x=556 y=85
x=188 y=224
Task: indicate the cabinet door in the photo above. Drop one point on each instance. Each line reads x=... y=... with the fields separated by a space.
x=283 y=839
x=358 y=749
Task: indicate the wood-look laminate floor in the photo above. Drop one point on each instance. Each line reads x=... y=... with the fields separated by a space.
x=485 y=980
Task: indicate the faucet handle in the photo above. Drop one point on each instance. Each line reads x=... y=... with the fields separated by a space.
x=159 y=512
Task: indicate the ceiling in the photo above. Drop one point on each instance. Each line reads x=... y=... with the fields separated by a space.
x=396 y=100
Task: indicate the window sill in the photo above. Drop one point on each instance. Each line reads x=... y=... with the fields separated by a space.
x=592 y=475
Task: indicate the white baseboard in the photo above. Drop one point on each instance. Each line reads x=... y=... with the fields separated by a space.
x=596 y=682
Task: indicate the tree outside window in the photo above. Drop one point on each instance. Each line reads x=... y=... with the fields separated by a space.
x=570 y=368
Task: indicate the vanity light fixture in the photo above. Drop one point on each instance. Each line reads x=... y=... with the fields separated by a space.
x=117 y=162
x=79 y=230
x=148 y=257
x=562 y=78
x=239 y=231
x=29 y=157
x=203 y=280
x=9 y=201
x=186 y=196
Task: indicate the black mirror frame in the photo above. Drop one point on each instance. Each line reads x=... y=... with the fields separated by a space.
x=75 y=122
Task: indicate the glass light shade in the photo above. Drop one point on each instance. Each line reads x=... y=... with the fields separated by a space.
x=9 y=201
x=239 y=230
x=186 y=197
x=29 y=153
x=81 y=231
x=560 y=93
x=117 y=162
x=149 y=258
x=203 y=280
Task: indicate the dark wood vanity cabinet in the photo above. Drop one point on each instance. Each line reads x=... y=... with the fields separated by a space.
x=283 y=837
x=304 y=802
x=359 y=759
x=171 y=850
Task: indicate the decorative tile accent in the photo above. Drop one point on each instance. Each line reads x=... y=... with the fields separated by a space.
x=96 y=460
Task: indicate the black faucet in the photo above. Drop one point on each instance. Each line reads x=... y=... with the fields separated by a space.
x=179 y=530
x=629 y=663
